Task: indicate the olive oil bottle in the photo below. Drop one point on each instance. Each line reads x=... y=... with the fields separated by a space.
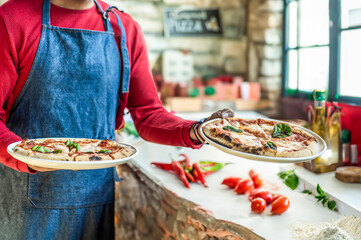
x=319 y=126
x=319 y=118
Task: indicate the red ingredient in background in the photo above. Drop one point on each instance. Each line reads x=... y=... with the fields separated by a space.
x=280 y=205
x=258 y=205
x=260 y=193
x=257 y=180
x=164 y=166
x=187 y=162
x=231 y=181
x=244 y=186
x=200 y=174
x=180 y=172
x=276 y=196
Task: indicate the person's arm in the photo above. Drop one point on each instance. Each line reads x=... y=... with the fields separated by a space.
x=8 y=78
x=152 y=121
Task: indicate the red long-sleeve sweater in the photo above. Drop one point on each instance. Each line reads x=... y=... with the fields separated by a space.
x=20 y=30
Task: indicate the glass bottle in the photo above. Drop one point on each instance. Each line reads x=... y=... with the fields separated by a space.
x=319 y=118
x=323 y=163
x=334 y=132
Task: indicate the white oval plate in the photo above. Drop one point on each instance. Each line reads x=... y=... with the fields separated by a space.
x=71 y=165
x=321 y=142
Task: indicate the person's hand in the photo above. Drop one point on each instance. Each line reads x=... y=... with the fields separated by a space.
x=223 y=113
x=41 y=169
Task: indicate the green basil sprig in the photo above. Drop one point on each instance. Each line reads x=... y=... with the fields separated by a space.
x=271 y=145
x=40 y=149
x=289 y=178
x=233 y=129
x=322 y=197
x=58 y=151
x=105 y=151
x=281 y=131
x=72 y=145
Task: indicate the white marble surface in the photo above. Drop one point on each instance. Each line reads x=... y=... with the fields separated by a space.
x=223 y=202
x=227 y=205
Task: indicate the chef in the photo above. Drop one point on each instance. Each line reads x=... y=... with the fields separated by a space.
x=69 y=68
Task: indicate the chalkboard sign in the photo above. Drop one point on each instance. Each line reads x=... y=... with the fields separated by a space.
x=192 y=22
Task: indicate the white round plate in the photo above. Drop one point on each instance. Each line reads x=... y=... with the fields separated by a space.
x=71 y=165
x=321 y=142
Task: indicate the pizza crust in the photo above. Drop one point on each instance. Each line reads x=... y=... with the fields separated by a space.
x=21 y=151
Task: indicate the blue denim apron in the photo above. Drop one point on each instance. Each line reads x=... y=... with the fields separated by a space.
x=72 y=91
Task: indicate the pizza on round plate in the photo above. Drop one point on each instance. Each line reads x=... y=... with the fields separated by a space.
x=77 y=150
x=262 y=137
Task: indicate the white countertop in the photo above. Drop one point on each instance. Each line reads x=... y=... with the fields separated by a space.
x=227 y=205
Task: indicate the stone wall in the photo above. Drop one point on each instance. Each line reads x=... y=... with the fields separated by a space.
x=264 y=31
x=146 y=210
x=251 y=45
x=211 y=55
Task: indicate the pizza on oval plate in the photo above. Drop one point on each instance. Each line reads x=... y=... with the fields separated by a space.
x=262 y=137
x=77 y=150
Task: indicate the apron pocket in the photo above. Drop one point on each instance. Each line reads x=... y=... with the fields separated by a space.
x=71 y=189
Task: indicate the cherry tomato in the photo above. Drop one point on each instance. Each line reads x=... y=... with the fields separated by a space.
x=244 y=186
x=258 y=205
x=252 y=172
x=280 y=205
x=231 y=181
x=260 y=193
x=257 y=180
x=276 y=196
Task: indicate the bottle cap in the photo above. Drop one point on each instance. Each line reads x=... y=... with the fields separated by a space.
x=319 y=95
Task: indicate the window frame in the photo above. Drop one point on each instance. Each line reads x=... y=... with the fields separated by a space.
x=335 y=31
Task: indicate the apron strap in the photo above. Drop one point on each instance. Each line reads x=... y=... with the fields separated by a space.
x=46 y=12
x=108 y=26
x=125 y=54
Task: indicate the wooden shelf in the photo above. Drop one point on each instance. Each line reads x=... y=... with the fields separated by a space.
x=185 y=104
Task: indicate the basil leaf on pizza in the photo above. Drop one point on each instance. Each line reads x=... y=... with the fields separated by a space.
x=58 y=151
x=262 y=137
x=281 y=131
x=271 y=145
x=105 y=151
x=72 y=145
x=40 y=149
x=233 y=129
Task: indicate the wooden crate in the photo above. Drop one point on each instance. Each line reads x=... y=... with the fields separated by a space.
x=184 y=104
x=251 y=104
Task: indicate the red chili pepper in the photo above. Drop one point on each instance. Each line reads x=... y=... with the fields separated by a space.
x=164 y=166
x=190 y=177
x=231 y=181
x=180 y=172
x=207 y=173
x=187 y=162
x=200 y=175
